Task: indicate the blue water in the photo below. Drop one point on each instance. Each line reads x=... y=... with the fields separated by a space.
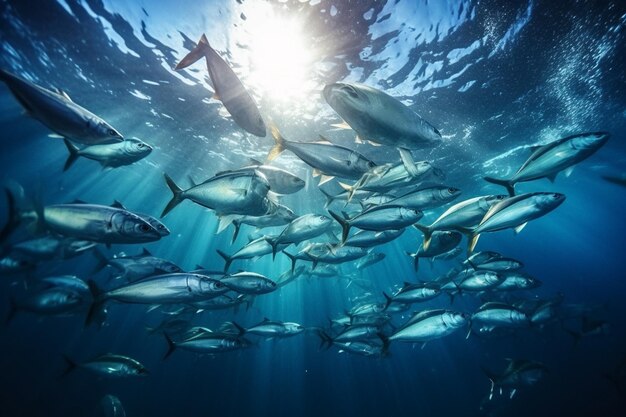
x=494 y=77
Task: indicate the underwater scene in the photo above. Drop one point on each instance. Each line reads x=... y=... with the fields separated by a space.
x=312 y=208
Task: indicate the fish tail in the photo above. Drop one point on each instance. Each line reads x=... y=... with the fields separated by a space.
x=471 y=244
x=176 y=199
x=510 y=186
x=345 y=225
x=279 y=146
x=171 y=346
x=273 y=243
x=237 y=225
x=227 y=259
x=70 y=365
x=428 y=234
x=73 y=156
x=492 y=378
x=240 y=329
x=388 y=302
x=103 y=261
x=97 y=305
x=198 y=52
x=326 y=339
x=386 y=343
x=329 y=198
x=293 y=260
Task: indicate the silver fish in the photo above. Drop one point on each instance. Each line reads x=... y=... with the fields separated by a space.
x=303 y=228
x=429 y=325
x=327 y=159
x=546 y=161
x=228 y=88
x=252 y=250
x=279 y=216
x=111 y=406
x=51 y=301
x=112 y=155
x=413 y=293
x=207 y=343
x=441 y=242
x=426 y=198
x=500 y=314
x=515 y=212
x=248 y=283
x=377 y=117
x=370 y=238
x=280 y=180
x=109 y=365
x=369 y=260
x=59 y=113
x=518 y=373
x=271 y=329
x=236 y=193
x=51 y=247
x=378 y=219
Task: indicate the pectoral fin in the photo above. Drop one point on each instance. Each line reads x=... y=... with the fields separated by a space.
x=407 y=161
x=342 y=125
x=520 y=227
x=568 y=172
x=325 y=178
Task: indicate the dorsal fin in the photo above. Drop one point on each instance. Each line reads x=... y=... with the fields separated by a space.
x=254 y=161
x=265 y=319
x=63 y=94
x=323 y=139
x=118 y=205
x=146 y=252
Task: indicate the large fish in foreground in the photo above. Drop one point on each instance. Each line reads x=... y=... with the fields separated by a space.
x=514 y=213
x=59 y=113
x=228 y=88
x=546 y=161
x=112 y=155
x=377 y=117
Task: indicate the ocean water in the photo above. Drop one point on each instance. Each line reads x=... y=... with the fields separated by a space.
x=494 y=77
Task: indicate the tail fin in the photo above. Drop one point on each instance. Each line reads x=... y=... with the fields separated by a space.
x=326 y=339
x=492 y=378
x=227 y=259
x=329 y=198
x=96 y=305
x=196 y=53
x=70 y=365
x=273 y=243
x=176 y=199
x=428 y=234
x=505 y=183
x=240 y=329
x=237 y=225
x=73 y=156
x=293 y=260
x=389 y=301
x=386 y=343
x=345 y=225
x=103 y=261
x=171 y=346
x=279 y=147
x=471 y=244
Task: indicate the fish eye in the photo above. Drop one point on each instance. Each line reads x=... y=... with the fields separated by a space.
x=144 y=227
x=141 y=145
x=452 y=190
x=350 y=90
x=112 y=132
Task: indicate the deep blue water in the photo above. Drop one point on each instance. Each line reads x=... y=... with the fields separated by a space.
x=494 y=77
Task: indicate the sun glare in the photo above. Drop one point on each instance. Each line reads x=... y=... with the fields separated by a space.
x=281 y=62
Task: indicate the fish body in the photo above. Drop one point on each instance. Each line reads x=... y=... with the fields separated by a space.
x=248 y=283
x=429 y=325
x=378 y=219
x=110 y=365
x=111 y=155
x=59 y=113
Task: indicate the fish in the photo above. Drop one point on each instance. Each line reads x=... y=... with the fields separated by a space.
x=389 y=177
x=430 y=325
x=345 y=196
x=279 y=216
x=328 y=254
x=253 y=250
x=228 y=88
x=207 y=343
x=496 y=314
x=303 y=228
x=236 y=193
x=109 y=365
x=113 y=155
x=248 y=283
x=440 y=243
x=111 y=406
x=351 y=333
x=50 y=247
x=514 y=280
x=463 y=215
x=96 y=223
x=158 y=289
x=413 y=293
x=498 y=264
x=367 y=348
x=426 y=198
x=478 y=281
x=615 y=179
x=10 y=265
x=52 y=301
x=378 y=219
x=59 y=113
x=546 y=161
x=327 y=159
x=69 y=283
x=280 y=180
x=139 y=266
x=271 y=329
x=380 y=118
x=514 y=212
x=517 y=374
x=371 y=238
x=369 y=260
x=154 y=222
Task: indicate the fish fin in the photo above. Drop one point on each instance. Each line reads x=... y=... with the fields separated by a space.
x=273 y=243
x=510 y=187
x=325 y=178
x=472 y=243
x=316 y=173
x=520 y=227
x=103 y=261
x=552 y=177
x=198 y=52
x=345 y=225
x=358 y=140
x=388 y=299
x=407 y=161
x=324 y=140
x=254 y=161
x=70 y=365
x=374 y=143
x=117 y=204
x=293 y=260
x=237 y=225
x=228 y=259
x=145 y=252
x=326 y=339
x=171 y=346
x=73 y=156
x=568 y=171
x=343 y=125
x=63 y=94
x=329 y=198
x=224 y=221
x=193 y=182
x=428 y=234
x=346 y=187
x=177 y=195
x=97 y=304
x=53 y=135
x=280 y=143
x=240 y=329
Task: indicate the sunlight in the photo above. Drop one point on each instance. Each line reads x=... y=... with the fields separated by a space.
x=281 y=62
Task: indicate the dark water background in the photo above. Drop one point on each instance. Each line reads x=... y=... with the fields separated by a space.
x=540 y=70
